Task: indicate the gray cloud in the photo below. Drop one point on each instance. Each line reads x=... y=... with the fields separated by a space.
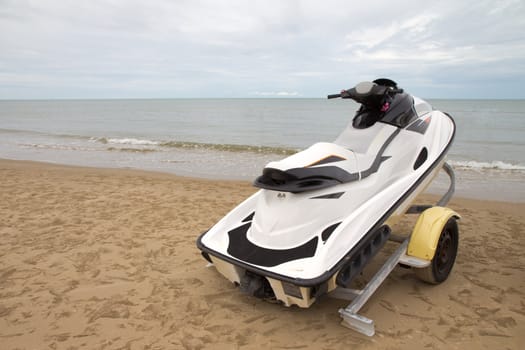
x=103 y=48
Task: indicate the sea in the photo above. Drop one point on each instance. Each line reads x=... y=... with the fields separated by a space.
x=235 y=138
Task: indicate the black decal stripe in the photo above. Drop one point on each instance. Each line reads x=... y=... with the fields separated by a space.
x=241 y=248
x=249 y=217
x=327 y=232
x=335 y=195
x=420 y=125
x=326 y=160
x=374 y=167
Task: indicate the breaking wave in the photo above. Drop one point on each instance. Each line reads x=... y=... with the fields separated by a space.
x=195 y=146
x=230 y=147
x=494 y=165
x=131 y=141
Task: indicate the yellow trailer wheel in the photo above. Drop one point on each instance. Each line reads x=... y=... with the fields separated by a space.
x=444 y=256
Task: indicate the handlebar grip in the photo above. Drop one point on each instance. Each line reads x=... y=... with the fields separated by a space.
x=334 y=96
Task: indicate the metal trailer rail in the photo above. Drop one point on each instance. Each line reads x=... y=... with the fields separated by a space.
x=349 y=314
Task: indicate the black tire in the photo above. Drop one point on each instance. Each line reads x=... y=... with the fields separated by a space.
x=444 y=257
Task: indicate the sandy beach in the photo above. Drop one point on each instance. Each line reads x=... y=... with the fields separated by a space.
x=105 y=259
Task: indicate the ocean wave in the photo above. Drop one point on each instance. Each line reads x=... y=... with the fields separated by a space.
x=191 y=146
x=12 y=131
x=58 y=147
x=132 y=150
x=229 y=147
x=126 y=141
x=494 y=165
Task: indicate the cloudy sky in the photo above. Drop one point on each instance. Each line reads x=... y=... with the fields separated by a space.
x=240 y=48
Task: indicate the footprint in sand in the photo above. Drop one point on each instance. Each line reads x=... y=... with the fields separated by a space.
x=113 y=308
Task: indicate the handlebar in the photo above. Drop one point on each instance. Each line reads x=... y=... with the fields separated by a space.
x=397 y=91
x=351 y=93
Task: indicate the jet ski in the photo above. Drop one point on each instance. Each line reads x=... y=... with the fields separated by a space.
x=321 y=215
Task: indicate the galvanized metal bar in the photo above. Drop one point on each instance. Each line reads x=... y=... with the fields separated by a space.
x=452 y=187
x=378 y=278
x=358 y=323
x=349 y=314
x=345 y=293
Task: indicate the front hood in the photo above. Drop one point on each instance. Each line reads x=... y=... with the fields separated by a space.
x=286 y=220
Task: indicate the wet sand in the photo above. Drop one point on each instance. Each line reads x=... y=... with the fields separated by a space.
x=106 y=259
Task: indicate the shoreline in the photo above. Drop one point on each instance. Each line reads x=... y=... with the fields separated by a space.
x=98 y=257
x=470 y=184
